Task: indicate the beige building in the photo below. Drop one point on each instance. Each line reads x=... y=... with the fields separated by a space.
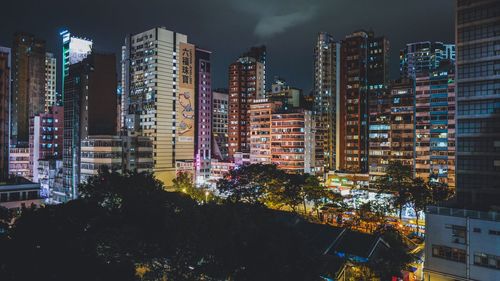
x=158 y=95
x=19 y=162
x=98 y=152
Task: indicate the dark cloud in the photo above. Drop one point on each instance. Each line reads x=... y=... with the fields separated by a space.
x=229 y=27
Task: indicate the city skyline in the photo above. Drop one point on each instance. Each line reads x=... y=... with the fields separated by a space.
x=287 y=29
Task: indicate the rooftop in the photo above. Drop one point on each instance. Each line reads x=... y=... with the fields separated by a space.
x=464 y=213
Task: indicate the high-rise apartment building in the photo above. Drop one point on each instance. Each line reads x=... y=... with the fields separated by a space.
x=50 y=80
x=379 y=105
x=326 y=96
x=478 y=102
x=424 y=57
x=203 y=115
x=46 y=138
x=246 y=84
x=282 y=136
x=260 y=113
x=402 y=124
x=28 y=85
x=364 y=76
x=462 y=241
x=159 y=88
x=5 y=70
x=435 y=125
x=220 y=110
x=74 y=50
x=89 y=110
x=292 y=140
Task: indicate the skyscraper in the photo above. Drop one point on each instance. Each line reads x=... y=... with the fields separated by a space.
x=159 y=88
x=74 y=49
x=379 y=106
x=89 y=110
x=326 y=95
x=28 y=84
x=220 y=110
x=478 y=102
x=203 y=115
x=435 y=125
x=5 y=65
x=246 y=84
x=363 y=78
x=50 y=80
x=461 y=241
x=292 y=140
x=403 y=121
x=260 y=113
x=424 y=57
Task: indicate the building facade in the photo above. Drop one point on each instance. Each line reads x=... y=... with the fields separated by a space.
x=89 y=110
x=50 y=177
x=379 y=105
x=74 y=50
x=137 y=154
x=159 y=95
x=463 y=245
x=423 y=57
x=402 y=124
x=15 y=196
x=326 y=95
x=220 y=110
x=260 y=114
x=19 y=162
x=46 y=138
x=478 y=102
x=50 y=80
x=293 y=140
x=28 y=85
x=203 y=119
x=280 y=91
x=99 y=152
x=462 y=240
x=246 y=84
x=435 y=126
x=5 y=80
x=363 y=78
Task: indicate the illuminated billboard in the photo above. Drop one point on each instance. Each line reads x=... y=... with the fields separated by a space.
x=185 y=99
x=79 y=49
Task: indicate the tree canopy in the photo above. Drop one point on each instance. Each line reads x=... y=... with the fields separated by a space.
x=126 y=227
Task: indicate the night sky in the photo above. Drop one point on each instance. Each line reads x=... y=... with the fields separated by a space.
x=229 y=27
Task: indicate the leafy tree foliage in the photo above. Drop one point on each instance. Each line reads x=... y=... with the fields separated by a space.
x=126 y=227
x=397 y=181
x=184 y=183
x=390 y=262
x=267 y=185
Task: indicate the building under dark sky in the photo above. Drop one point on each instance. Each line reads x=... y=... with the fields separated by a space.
x=287 y=27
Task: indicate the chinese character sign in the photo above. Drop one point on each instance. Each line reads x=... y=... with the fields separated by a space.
x=185 y=99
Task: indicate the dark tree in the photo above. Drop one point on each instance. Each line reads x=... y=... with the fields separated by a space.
x=127 y=227
x=397 y=181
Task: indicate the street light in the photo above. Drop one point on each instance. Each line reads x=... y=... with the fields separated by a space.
x=206 y=196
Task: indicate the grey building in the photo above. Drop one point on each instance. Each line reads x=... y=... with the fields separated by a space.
x=478 y=102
